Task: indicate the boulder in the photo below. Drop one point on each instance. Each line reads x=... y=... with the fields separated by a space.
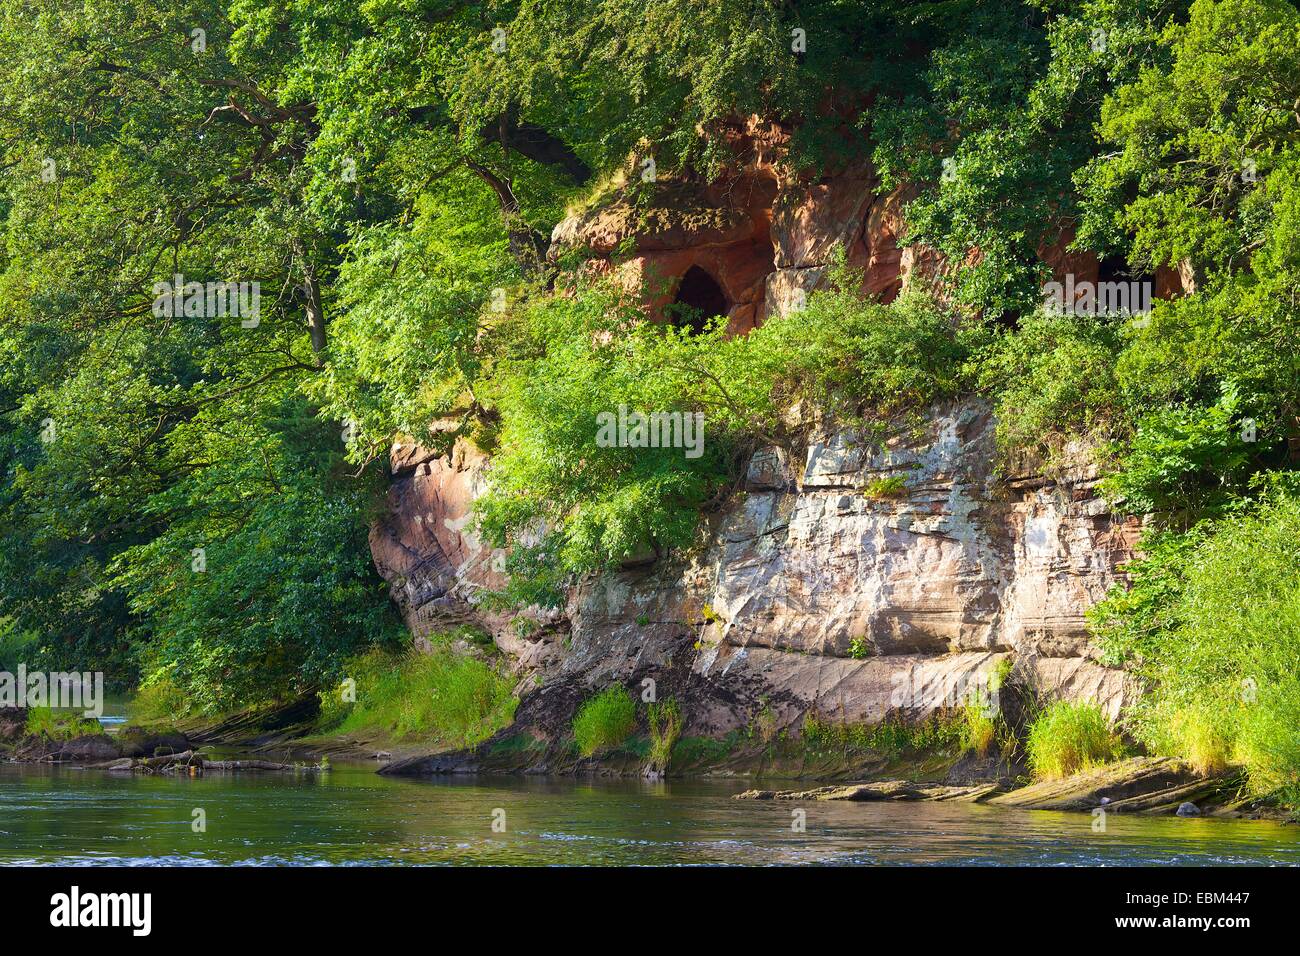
x=140 y=742
x=13 y=723
x=89 y=747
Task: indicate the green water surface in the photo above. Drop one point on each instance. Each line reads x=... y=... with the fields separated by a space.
x=52 y=815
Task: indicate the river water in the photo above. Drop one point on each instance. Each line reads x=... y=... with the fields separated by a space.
x=51 y=815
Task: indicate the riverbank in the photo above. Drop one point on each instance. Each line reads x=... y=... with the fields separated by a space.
x=924 y=768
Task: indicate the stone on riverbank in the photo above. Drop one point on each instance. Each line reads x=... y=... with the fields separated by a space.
x=1137 y=785
x=882 y=790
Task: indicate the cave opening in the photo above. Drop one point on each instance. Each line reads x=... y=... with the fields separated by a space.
x=1113 y=268
x=699 y=299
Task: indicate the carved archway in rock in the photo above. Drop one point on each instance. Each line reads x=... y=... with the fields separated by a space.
x=699 y=298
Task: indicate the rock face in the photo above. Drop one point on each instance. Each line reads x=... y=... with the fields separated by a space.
x=813 y=596
x=425 y=549
x=849 y=580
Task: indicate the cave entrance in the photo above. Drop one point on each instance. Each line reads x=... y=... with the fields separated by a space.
x=699 y=299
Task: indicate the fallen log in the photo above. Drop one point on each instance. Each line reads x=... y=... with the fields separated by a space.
x=257 y=765
x=187 y=757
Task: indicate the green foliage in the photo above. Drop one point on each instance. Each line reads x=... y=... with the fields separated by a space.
x=1212 y=626
x=389 y=178
x=59 y=725
x=605 y=721
x=704 y=751
x=444 y=695
x=891 y=486
x=1067 y=737
x=1189 y=460
x=594 y=355
x=1187 y=129
x=158 y=700
x=1054 y=382
x=979 y=727
x=665 y=721
x=891 y=738
x=16 y=647
x=1000 y=119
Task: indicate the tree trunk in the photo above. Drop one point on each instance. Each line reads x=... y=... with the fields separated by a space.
x=312 y=302
x=527 y=245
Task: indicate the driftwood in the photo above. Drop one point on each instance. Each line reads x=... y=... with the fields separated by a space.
x=196 y=764
x=255 y=765
x=187 y=757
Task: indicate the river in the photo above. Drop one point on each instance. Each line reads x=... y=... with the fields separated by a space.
x=54 y=815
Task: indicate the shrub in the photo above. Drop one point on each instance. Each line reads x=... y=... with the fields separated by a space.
x=1067 y=737
x=1212 y=626
x=1054 y=382
x=1183 y=462
x=894 y=486
x=604 y=721
x=859 y=649
x=665 y=719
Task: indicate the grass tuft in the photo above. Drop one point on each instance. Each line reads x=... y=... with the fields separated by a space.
x=1067 y=737
x=665 y=721
x=979 y=727
x=452 y=697
x=604 y=721
x=891 y=486
x=60 y=725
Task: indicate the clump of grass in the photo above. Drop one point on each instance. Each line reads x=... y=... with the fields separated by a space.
x=765 y=724
x=892 y=486
x=979 y=726
x=1200 y=740
x=604 y=721
x=889 y=738
x=59 y=725
x=451 y=697
x=665 y=719
x=1066 y=738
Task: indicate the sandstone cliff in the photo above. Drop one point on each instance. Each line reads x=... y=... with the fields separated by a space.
x=811 y=595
